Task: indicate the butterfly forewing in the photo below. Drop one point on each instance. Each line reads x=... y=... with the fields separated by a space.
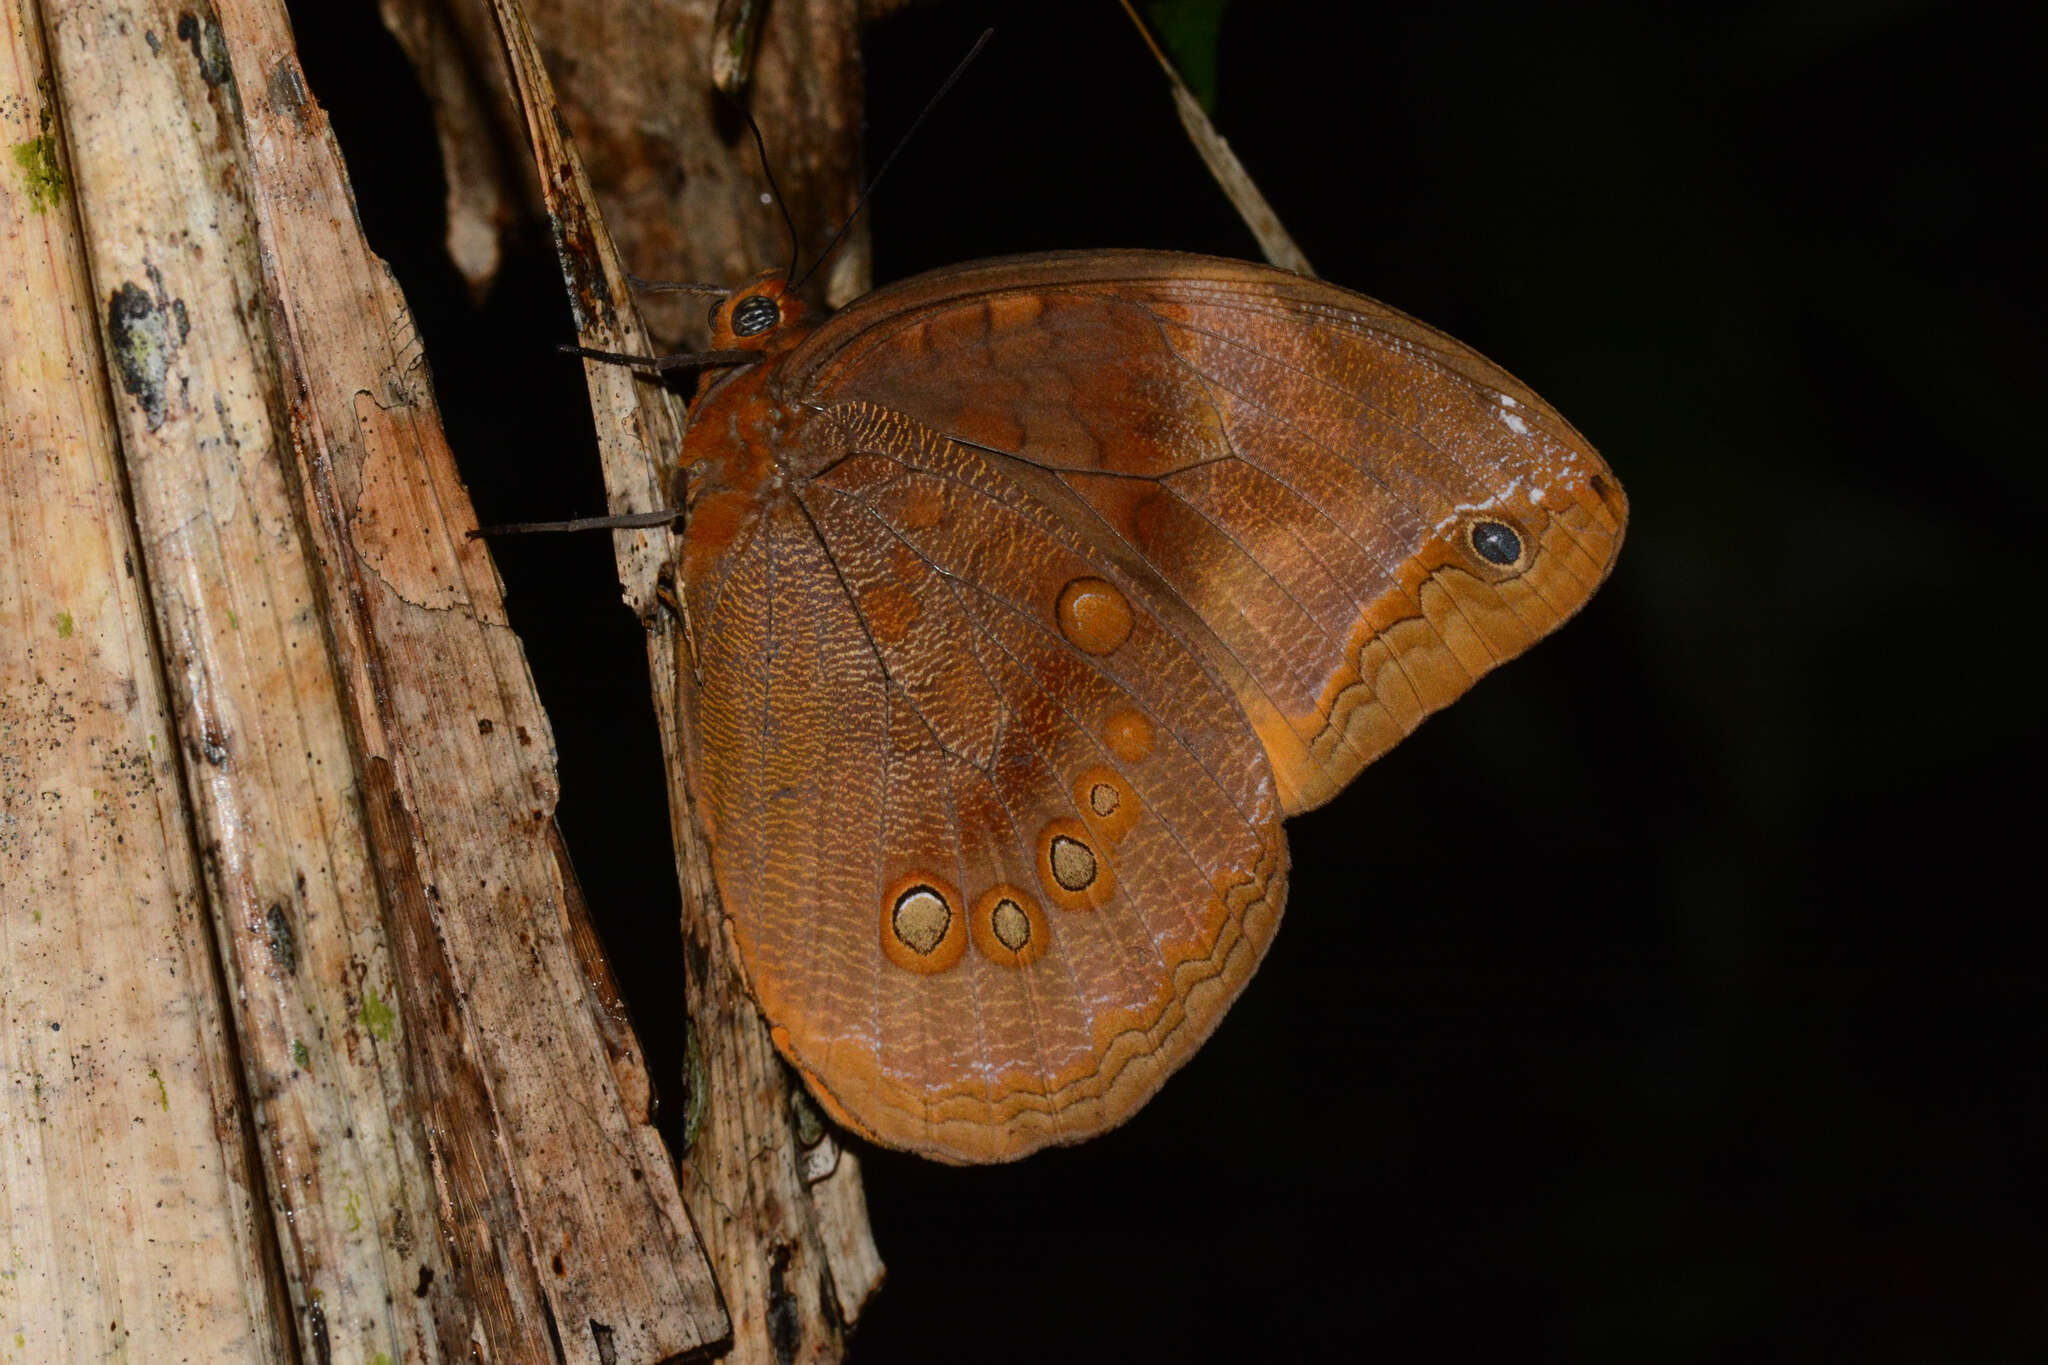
x=1302 y=467
x=1028 y=597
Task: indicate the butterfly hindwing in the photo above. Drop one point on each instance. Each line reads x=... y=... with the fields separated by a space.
x=989 y=885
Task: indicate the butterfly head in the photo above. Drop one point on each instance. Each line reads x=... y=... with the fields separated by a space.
x=761 y=315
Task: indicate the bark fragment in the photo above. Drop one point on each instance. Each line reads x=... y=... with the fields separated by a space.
x=794 y=1257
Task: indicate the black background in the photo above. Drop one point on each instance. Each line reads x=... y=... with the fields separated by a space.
x=1675 y=996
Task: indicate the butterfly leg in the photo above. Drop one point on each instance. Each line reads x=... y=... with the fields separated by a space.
x=675 y=287
x=666 y=594
x=662 y=364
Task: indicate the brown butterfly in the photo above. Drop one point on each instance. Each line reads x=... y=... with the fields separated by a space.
x=1026 y=599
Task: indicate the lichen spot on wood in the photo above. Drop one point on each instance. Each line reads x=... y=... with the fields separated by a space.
x=785 y=1313
x=141 y=347
x=284 y=943
x=376 y=1016
x=209 y=46
x=288 y=90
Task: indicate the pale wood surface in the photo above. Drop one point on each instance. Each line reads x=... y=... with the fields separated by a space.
x=794 y=1257
x=171 y=241
x=449 y=1113
x=1276 y=244
x=173 y=246
x=458 y=766
x=132 y=1217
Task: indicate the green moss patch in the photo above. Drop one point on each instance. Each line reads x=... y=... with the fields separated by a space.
x=36 y=162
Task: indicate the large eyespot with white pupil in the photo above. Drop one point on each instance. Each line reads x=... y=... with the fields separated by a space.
x=754 y=315
x=1497 y=544
x=923 y=929
x=1072 y=867
x=1008 y=927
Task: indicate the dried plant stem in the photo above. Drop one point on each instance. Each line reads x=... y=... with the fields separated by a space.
x=446 y=1116
x=778 y=1205
x=171 y=244
x=132 y=1220
x=1275 y=242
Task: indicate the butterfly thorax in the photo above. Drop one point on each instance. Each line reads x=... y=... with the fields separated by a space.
x=744 y=438
x=734 y=457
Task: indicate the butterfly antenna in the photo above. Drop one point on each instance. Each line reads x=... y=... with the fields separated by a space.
x=781 y=204
x=901 y=143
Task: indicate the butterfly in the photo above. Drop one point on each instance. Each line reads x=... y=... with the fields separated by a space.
x=1026 y=599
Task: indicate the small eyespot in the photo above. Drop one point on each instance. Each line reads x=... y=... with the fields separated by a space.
x=1071 y=866
x=1107 y=802
x=1009 y=928
x=1496 y=542
x=1610 y=495
x=1010 y=925
x=920 y=919
x=1128 y=733
x=1094 y=615
x=754 y=315
x=1073 y=863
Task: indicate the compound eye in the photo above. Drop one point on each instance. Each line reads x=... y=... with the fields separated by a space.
x=711 y=318
x=754 y=315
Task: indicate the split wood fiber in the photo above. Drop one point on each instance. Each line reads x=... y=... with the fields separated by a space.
x=676 y=178
x=132 y=1218
x=171 y=243
x=450 y=1120
x=459 y=766
x=778 y=1204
